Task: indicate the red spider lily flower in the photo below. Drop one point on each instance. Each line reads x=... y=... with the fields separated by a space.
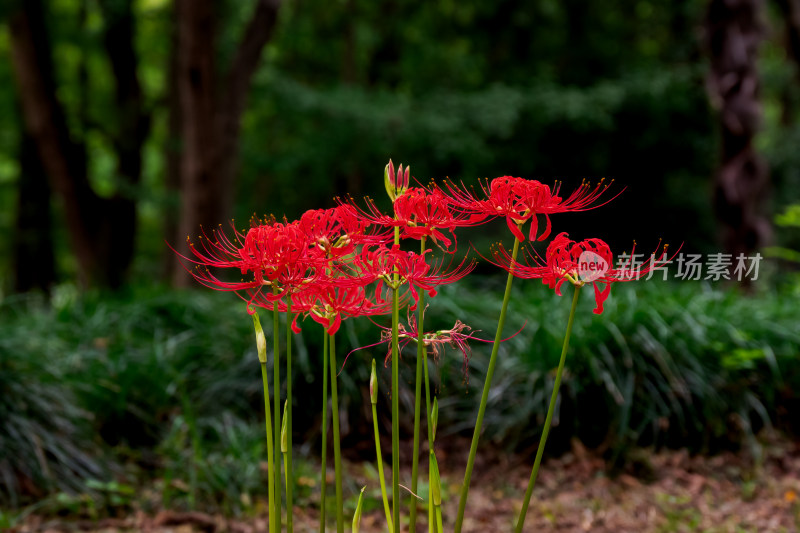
x=520 y=200
x=457 y=337
x=380 y=264
x=335 y=232
x=421 y=212
x=274 y=254
x=587 y=261
x=329 y=304
x=421 y=275
x=217 y=251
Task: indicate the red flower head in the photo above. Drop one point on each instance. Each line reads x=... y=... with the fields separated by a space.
x=334 y=233
x=420 y=212
x=329 y=304
x=380 y=265
x=587 y=261
x=274 y=255
x=520 y=200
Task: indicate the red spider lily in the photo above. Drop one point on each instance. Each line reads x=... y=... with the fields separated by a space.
x=274 y=254
x=587 y=261
x=217 y=251
x=335 y=232
x=457 y=337
x=421 y=212
x=520 y=200
x=380 y=264
x=329 y=304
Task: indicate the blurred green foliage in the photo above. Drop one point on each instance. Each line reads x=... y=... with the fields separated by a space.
x=544 y=89
x=162 y=388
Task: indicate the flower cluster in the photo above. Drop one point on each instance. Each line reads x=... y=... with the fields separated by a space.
x=330 y=264
x=350 y=261
x=336 y=263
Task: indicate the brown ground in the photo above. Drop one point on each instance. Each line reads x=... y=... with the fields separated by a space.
x=672 y=492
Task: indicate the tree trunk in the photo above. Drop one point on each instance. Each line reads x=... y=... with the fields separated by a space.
x=211 y=108
x=101 y=229
x=791 y=16
x=741 y=183
x=34 y=263
x=64 y=160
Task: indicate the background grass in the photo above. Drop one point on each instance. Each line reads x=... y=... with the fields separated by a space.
x=161 y=389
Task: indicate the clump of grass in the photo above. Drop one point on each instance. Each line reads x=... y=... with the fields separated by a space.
x=45 y=437
x=682 y=365
x=161 y=378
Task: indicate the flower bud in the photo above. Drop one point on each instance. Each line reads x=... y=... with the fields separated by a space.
x=261 y=341
x=388 y=180
x=396 y=183
x=357 y=514
x=373 y=385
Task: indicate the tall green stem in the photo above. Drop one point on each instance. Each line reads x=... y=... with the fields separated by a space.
x=462 y=502
x=379 y=456
x=289 y=472
x=273 y=508
x=323 y=482
x=412 y=525
x=261 y=343
x=276 y=399
x=337 y=452
x=420 y=340
x=395 y=399
x=550 y=410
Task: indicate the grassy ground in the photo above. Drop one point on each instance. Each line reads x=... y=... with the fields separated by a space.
x=114 y=405
x=660 y=493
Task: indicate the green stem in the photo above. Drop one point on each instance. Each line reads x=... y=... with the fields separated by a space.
x=395 y=400
x=337 y=452
x=276 y=400
x=462 y=502
x=273 y=514
x=288 y=459
x=412 y=525
x=420 y=341
x=323 y=482
x=380 y=468
x=550 y=410
x=431 y=523
x=261 y=344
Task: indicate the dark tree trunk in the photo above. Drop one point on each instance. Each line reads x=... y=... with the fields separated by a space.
x=172 y=155
x=791 y=17
x=64 y=160
x=741 y=183
x=211 y=108
x=101 y=229
x=129 y=135
x=34 y=264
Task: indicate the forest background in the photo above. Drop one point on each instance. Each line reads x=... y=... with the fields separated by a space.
x=126 y=125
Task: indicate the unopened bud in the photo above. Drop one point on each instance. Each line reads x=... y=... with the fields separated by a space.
x=396 y=183
x=357 y=514
x=388 y=180
x=261 y=341
x=373 y=385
